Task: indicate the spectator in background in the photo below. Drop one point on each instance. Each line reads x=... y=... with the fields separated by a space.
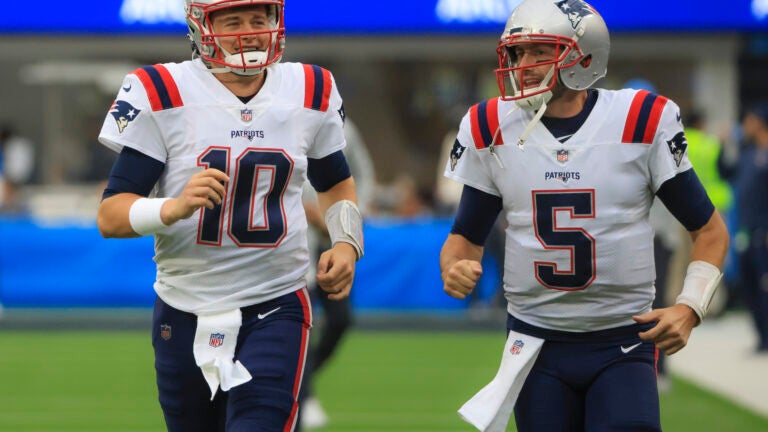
x=338 y=314
x=17 y=165
x=749 y=176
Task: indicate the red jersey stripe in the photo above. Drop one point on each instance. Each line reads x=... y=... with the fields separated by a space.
x=653 y=119
x=634 y=114
x=149 y=86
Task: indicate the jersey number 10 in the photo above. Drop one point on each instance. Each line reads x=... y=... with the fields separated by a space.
x=243 y=198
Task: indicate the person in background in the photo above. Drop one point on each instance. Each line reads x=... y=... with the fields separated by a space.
x=574 y=170
x=749 y=176
x=17 y=166
x=338 y=314
x=214 y=153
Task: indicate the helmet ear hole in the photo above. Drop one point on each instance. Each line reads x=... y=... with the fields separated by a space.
x=586 y=61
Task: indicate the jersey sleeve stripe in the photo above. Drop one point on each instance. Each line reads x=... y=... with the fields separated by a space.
x=477 y=136
x=493 y=121
x=653 y=119
x=317 y=88
x=149 y=86
x=643 y=118
x=170 y=86
x=484 y=121
x=634 y=112
x=161 y=89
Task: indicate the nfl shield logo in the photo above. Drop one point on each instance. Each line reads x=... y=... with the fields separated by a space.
x=562 y=155
x=246 y=115
x=217 y=339
x=517 y=346
x=165 y=331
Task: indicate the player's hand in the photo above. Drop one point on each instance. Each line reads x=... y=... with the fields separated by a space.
x=204 y=189
x=336 y=270
x=673 y=327
x=461 y=277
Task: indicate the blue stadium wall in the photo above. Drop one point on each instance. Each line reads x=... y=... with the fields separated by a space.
x=65 y=266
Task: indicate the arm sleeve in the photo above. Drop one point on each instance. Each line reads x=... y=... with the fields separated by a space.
x=325 y=173
x=686 y=199
x=133 y=172
x=476 y=215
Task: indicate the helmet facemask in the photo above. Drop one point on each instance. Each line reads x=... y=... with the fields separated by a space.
x=245 y=58
x=511 y=75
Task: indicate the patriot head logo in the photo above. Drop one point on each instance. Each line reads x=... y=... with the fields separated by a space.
x=576 y=10
x=456 y=153
x=124 y=113
x=677 y=147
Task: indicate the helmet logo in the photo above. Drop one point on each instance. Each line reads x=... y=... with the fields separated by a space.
x=575 y=10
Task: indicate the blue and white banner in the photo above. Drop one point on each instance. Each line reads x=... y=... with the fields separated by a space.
x=346 y=17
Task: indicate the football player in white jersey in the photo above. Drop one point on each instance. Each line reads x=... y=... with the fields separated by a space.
x=213 y=155
x=575 y=171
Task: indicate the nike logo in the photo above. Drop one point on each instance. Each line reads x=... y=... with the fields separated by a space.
x=266 y=314
x=127 y=89
x=630 y=348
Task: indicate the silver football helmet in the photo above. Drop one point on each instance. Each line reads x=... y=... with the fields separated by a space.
x=243 y=61
x=581 y=43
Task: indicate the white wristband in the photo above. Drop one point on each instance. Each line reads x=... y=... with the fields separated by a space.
x=699 y=286
x=345 y=224
x=144 y=215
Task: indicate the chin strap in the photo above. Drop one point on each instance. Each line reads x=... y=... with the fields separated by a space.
x=531 y=125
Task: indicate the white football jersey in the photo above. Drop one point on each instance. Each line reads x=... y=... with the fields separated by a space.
x=253 y=247
x=579 y=247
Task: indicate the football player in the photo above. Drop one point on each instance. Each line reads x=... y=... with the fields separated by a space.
x=213 y=155
x=575 y=171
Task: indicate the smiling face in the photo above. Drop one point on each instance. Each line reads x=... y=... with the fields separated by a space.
x=534 y=60
x=242 y=29
x=238 y=36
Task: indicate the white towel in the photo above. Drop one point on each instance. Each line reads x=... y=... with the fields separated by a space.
x=214 y=349
x=490 y=409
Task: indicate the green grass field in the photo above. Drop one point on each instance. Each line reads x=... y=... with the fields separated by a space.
x=93 y=381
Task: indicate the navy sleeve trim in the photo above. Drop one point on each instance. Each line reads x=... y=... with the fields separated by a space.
x=327 y=172
x=133 y=172
x=687 y=200
x=476 y=215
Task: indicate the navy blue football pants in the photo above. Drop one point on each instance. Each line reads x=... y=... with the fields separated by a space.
x=595 y=382
x=272 y=348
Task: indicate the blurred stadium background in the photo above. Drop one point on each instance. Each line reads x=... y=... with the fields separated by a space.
x=74 y=308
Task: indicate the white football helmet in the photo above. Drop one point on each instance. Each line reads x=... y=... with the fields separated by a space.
x=581 y=45
x=206 y=44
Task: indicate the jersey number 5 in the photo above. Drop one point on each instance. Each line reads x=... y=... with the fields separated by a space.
x=260 y=179
x=579 y=204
